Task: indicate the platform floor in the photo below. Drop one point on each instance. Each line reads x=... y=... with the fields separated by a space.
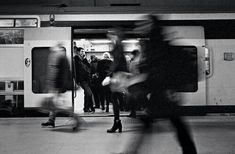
x=212 y=135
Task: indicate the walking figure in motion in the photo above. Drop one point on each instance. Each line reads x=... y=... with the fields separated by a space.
x=119 y=65
x=161 y=67
x=57 y=81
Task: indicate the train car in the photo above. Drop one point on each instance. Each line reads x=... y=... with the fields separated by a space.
x=23 y=60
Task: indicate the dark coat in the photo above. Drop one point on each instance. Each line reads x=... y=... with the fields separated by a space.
x=82 y=70
x=119 y=60
x=103 y=69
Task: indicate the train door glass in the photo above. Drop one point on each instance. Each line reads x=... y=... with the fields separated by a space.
x=39 y=69
x=189 y=77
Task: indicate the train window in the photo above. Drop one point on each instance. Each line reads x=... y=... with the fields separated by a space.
x=2 y=85
x=188 y=78
x=6 y=23
x=11 y=36
x=39 y=69
x=18 y=85
x=26 y=22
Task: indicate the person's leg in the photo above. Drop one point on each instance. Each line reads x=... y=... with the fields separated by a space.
x=102 y=95
x=49 y=104
x=75 y=118
x=88 y=102
x=183 y=135
x=95 y=90
x=108 y=97
x=131 y=105
x=117 y=125
x=51 y=120
x=116 y=106
x=122 y=103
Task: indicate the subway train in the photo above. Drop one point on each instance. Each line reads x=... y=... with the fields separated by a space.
x=25 y=41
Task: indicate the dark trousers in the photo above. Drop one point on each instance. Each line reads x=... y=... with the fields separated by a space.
x=105 y=96
x=96 y=94
x=183 y=136
x=160 y=106
x=117 y=100
x=88 y=101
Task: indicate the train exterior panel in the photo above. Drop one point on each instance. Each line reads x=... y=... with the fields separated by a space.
x=215 y=55
x=221 y=85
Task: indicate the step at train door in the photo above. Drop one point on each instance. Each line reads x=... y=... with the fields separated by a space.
x=36 y=51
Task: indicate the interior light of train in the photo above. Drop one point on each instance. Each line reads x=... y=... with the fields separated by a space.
x=6 y=23
x=130 y=41
x=101 y=41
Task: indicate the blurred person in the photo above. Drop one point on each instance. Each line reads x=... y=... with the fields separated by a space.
x=161 y=65
x=119 y=65
x=103 y=70
x=136 y=96
x=57 y=81
x=128 y=61
x=82 y=71
x=134 y=61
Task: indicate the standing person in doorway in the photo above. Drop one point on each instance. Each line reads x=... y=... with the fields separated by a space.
x=94 y=80
x=83 y=78
x=103 y=70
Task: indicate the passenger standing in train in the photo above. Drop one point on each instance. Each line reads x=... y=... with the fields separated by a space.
x=119 y=65
x=57 y=81
x=83 y=78
x=158 y=65
x=94 y=80
x=103 y=70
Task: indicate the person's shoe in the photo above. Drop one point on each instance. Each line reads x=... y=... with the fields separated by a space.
x=92 y=110
x=116 y=126
x=86 y=110
x=48 y=123
x=75 y=123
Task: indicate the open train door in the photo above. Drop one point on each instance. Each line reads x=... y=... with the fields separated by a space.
x=37 y=42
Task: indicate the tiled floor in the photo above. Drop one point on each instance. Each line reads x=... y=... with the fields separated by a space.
x=212 y=135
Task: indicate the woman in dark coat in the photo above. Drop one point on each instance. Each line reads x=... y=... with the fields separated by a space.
x=119 y=65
